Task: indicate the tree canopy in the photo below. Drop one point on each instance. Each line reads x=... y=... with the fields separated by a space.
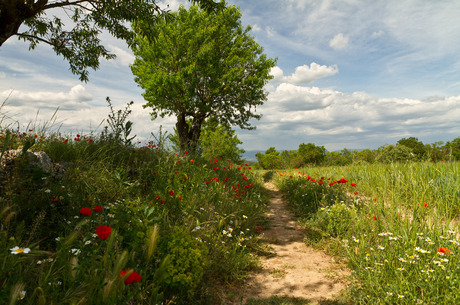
x=38 y=21
x=202 y=65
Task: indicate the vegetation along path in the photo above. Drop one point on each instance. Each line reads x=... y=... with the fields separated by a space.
x=294 y=270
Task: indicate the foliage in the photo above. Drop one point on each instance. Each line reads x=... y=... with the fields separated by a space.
x=120 y=128
x=147 y=197
x=219 y=141
x=311 y=154
x=395 y=153
x=416 y=146
x=201 y=65
x=186 y=261
x=33 y=21
x=270 y=160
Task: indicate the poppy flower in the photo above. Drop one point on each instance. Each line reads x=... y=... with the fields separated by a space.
x=97 y=208
x=353 y=184
x=103 y=232
x=133 y=277
x=443 y=250
x=86 y=211
x=376 y=217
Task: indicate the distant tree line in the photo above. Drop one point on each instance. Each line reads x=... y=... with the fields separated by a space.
x=405 y=150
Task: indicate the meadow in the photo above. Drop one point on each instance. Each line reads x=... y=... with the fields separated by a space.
x=111 y=223
x=115 y=223
x=394 y=225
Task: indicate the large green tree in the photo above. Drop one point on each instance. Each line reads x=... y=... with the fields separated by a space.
x=202 y=65
x=77 y=39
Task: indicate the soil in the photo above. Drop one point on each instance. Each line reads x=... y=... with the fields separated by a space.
x=294 y=270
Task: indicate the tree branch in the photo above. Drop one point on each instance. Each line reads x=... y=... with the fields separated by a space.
x=35 y=37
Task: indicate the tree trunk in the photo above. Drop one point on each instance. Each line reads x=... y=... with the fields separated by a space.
x=13 y=13
x=189 y=135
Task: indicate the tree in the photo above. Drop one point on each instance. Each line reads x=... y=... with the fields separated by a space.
x=312 y=154
x=417 y=147
x=270 y=160
x=79 y=45
x=395 y=153
x=202 y=65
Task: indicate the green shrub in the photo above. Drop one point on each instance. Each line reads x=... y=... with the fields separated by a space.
x=187 y=259
x=337 y=219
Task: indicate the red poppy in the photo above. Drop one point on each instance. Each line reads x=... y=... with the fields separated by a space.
x=133 y=276
x=353 y=184
x=376 y=217
x=342 y=180
x=444 y=250
x=425 y=205
x=103 y=232
x=55 y=199
x=86 y=211
x=171 y=192
x=97 y=208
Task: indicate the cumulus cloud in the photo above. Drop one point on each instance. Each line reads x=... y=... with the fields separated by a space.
x=339 y=42
x=304 y=74
x=337 y=120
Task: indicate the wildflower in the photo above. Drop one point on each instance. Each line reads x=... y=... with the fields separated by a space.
x=112 y=215
x=353 y=184
x=21 y=295
x=376 y=217
x=103 y=232
x=75 y=251
x=18 y=250
x=443 y=250
x=86 y=211
x=380 y=247
x=244 y=216
x=87 y=242
x=57 y=239
x=133 y=276
x=55 y=199
x=97 y=208
x=48 y=191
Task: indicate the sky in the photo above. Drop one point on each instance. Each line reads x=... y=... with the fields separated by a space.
x=352 y=74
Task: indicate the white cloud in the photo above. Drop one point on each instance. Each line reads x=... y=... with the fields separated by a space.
x=304 y=74
x=296 y=114
x=339 y=42
x=123 y=57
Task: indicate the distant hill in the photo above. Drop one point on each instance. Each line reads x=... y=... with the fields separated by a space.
x=250 y=155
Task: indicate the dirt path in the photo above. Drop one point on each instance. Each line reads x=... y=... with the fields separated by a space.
x=295 y=270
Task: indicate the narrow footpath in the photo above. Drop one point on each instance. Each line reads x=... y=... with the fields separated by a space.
x=295 y=270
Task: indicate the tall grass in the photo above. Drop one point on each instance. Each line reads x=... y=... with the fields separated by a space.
x=396 y=226
x=116 y=224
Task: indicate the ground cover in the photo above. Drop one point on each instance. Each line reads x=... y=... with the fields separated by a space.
x=395 y=225
x=114 y=224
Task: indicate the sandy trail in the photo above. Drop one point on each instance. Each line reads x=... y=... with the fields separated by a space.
x=295 y=269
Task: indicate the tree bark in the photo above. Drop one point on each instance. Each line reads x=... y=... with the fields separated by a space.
x=13 y=13
x=189 y=135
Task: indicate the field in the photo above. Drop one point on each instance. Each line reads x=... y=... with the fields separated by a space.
x=110 y=223
x=395 y=225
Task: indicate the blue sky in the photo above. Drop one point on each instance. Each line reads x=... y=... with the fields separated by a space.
x=350 y=74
